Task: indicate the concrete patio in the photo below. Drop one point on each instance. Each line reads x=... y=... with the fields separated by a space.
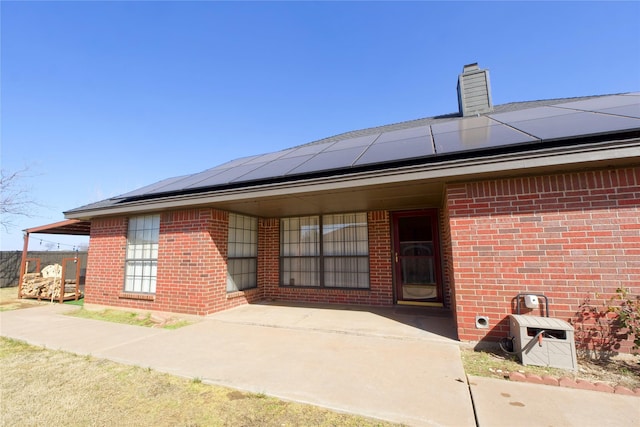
x=397 y=364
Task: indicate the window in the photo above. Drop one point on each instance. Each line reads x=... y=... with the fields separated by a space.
x=242 y=259
x=331 y=251
x=142 y=254
x=346 y=250
x=300 y=251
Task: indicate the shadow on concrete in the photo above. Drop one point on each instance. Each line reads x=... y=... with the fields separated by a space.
x=391 y=322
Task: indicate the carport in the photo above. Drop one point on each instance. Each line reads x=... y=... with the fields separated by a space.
x=72 y=227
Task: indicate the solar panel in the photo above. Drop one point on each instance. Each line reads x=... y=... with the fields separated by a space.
x=479 y=139
x=571 y=125
x=274 y=169
x=596 y=115
x=404 y=134
x=329 y=160
x=269 y=156
x=627 y=110
x=236 y=162
x=397 y=150
x=360 y=141
x=465 y=123
x=187 y=181
x=155 y=187
x=308 y=149
x=398 y=145
x=224 y=176
x=529 y=114
x=599 y=103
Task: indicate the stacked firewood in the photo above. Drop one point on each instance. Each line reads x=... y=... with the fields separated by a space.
x=34 y=285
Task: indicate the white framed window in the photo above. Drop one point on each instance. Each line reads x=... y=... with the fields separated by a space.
x=141 y=262
x=242 y=258
x=330 y=251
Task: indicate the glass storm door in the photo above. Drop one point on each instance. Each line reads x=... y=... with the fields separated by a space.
x=416 y=258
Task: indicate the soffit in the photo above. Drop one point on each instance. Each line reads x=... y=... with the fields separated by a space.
x=72 y=227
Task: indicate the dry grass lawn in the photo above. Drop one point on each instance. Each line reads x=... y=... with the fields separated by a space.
x=9 y=300
x=41 y=387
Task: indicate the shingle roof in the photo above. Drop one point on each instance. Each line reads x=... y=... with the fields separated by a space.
x=517 y=124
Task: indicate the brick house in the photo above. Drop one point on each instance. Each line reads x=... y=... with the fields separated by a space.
x=459 y=212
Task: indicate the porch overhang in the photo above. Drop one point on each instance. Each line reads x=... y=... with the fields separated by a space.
x=73 y=227
x=406 y=187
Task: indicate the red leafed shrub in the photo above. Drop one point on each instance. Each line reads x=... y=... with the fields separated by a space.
x=605 y=330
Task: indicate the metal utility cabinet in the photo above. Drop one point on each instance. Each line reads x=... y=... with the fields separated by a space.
x=543 y=341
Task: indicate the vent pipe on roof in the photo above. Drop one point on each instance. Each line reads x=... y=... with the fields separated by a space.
x=474 y=91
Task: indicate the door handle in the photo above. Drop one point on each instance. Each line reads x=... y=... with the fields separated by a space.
x=396 y=257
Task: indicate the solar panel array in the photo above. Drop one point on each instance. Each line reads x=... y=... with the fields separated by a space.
x=593 y=116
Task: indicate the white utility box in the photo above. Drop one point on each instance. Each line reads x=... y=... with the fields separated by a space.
x=556 y=348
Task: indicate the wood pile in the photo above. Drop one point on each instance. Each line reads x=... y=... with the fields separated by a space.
x=34 y=285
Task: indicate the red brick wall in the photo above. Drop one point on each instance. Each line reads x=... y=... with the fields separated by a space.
x=191 y=275
x=380 y=267
x=192 y=253
x=380 y=292
x=105 y=260
x=568 y=236
x=447 y=262
x=269 y=256
x=446 y=259
x=192 y=272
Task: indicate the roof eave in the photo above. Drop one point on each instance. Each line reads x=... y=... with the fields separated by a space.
x=74 y=227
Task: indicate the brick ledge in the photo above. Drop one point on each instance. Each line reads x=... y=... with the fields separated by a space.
x=244 y=293
x=143 y=297
x=568 y=382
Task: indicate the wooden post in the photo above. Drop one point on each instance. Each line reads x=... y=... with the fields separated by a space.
x=78 y=265
x=23 y=261
x=62 y=281
x=75 y=260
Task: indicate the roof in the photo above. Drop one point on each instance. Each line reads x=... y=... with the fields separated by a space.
x=519 y=126
x=72 y=227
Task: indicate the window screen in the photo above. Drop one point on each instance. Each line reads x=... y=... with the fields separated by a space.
x=328 y=251
x=242 y=259
x=142 y=254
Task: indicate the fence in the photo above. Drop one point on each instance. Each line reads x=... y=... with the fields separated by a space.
x=10 y=264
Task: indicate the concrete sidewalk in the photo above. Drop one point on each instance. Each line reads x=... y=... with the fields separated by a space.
x=391 y=364
x=507 y=403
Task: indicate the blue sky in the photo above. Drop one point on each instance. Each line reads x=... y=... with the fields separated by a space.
x=100 y=98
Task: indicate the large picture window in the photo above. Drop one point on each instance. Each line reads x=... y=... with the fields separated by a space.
x=142 y=254
x=330 y=251
x=242 y=259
